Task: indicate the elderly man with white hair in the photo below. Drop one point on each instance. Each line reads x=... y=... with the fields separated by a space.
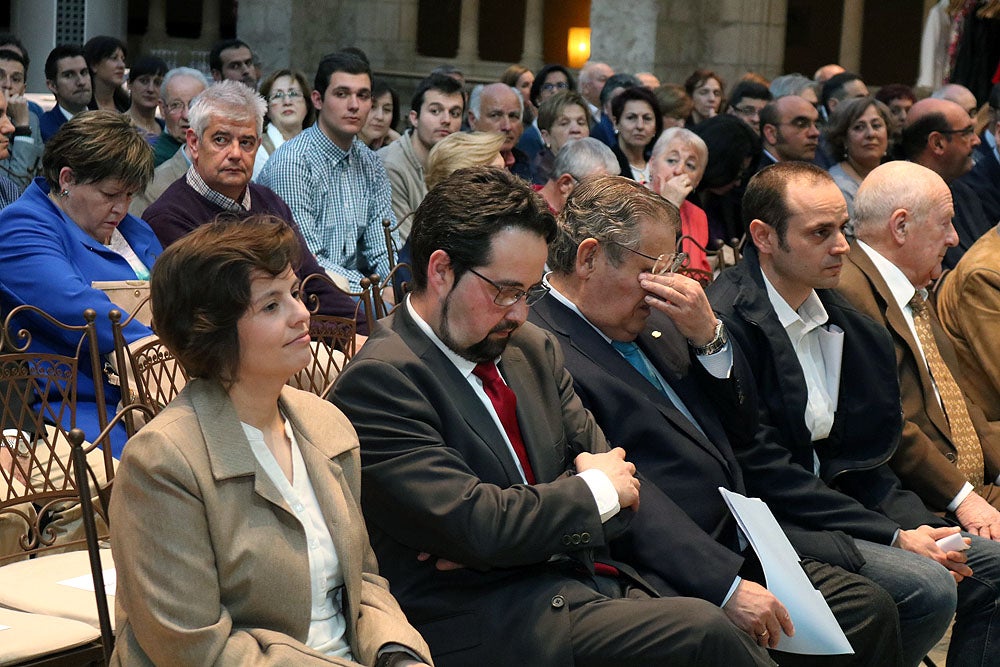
x=499 y=108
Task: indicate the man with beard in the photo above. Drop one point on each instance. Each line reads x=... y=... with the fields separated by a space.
x=490 y=494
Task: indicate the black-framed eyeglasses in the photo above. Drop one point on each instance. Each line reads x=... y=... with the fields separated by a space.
x=747 y=111
x=558 y=85
x=964 y=132
x=279 y=96
x=665 y=263
x=508 y=295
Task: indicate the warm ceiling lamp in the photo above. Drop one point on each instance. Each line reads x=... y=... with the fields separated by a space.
x=578 y=47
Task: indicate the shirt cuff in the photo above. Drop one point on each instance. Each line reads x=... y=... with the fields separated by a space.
x=732 y=589
x=720 y=364
x=959 y=497
x=603 y=491
x=397 y=648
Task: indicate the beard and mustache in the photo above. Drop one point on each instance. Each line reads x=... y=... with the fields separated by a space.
x=487 y=349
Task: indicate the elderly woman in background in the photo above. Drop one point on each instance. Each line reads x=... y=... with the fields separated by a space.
x=858 y=133
x=550 y=80
x=242 y=477
x=71 y=228
x=105 y=57
x=144 y=81
x=380 y=127
x=676 y=166
x=460 y=150
x=289 y=109
x=705 y=89
x=562 y=118
x=637 y=120
x=675 y=104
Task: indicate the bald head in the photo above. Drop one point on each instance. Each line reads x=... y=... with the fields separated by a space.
x=593 y=76
x=958 y=94
x=904 y=211
x=940 y=136
x=827 y=72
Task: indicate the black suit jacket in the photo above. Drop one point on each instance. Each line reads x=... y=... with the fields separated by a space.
x=984 y=180
x=439 y=478
x=970 y=220
x=855 y=491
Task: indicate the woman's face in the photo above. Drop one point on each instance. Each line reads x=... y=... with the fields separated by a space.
x=379 y=118
x=670 y=121
x=555 y=82
x=570 y=125
x=111 y=70
x=286 y=104
x=274 y=331
x=524 y=86
x=679 y=158
x=96 y=208
x=145 y=91
x=868 y=138
x=707 y=97
x=637 y=124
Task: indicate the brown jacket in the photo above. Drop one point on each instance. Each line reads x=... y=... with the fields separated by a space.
x=212 y=565
x=925 y=459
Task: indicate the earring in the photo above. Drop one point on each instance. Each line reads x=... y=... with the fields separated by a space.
x=64 y=193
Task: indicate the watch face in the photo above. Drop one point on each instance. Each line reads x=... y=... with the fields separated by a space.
x=19 y=442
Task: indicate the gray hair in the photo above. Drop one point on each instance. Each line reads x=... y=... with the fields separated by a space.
x=790 y=84
x=182 y=71
x=685 y=136
x=476 y=98
x=583 y=158
x=232 y=100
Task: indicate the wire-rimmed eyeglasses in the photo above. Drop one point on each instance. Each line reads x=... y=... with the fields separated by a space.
x=665 y=263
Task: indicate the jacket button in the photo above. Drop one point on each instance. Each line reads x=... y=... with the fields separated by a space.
x=576 y=538
x=567 y=540
x=585 y=537
x=558 y=602
x=951 y=456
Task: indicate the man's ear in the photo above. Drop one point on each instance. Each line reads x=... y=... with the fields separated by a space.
x=440 y=272
x=586 y=252
x=763 y=236
x=413 y=115
x=899 y=223
x=565 y=183
x=770 y=133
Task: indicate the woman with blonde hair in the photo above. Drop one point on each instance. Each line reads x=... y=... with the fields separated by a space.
x=460 y=150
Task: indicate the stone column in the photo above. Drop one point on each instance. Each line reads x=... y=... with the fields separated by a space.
x=468 y=34
x=534 y=21
x=267 y=27
x=624 y=34
x=851 y=32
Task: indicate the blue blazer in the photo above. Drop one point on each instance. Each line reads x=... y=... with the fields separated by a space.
x=50 y=122
x=48 y=261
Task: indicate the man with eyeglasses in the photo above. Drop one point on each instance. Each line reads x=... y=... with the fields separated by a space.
x=490 y=494
x=435 y=113
x=940 y=135
x=746 y=101
x=653 y=364
x=336 y=187
x=790 y=131
x=179 y=88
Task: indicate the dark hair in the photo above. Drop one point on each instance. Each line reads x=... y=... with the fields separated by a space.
x=619 y=81
x=215 y=55
x=98 y=145
x=353 y=50
x=440 y=82
x=379 y=88
x=845 y=115
x=147 y=66
x=512 y=74
x=57 y=54
x=915 y=134
x=674 y=101
x=536 y=87
x=341 y=61
x=994 y=99
x=730 y=142
x=765 y=197
x=751 y=89
x=769 y=115
x=463 y=213
x=103 y=46
x=834 y=86
x=9 y=39
x=895 y=91
x=10 y=54
x=698 y=78
x=638 y=93
x=300 y=78
x=200 y=288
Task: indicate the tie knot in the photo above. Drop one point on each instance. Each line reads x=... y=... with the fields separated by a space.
x=486 y=371
x=918 y=303
x=625 y=348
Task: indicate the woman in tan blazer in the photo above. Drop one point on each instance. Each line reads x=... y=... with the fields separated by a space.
x=237 y=532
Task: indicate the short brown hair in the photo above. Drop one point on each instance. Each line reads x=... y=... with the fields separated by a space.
x=200 y=288
x=99 y=145
x=551 y=108
x=845 y=115
x=766 y=196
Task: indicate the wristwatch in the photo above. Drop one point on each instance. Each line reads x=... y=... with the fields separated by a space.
x=714 y=345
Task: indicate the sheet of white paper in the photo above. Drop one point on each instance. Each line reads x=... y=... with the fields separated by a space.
x=86 y=582
x=816 y=629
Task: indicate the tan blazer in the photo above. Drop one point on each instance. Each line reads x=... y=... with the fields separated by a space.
x=925 y=460
x=212 y=565
x=163 y=177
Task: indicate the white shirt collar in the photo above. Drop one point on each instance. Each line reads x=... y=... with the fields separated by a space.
x=899 y=285
x=811 y=313
x=464 y=366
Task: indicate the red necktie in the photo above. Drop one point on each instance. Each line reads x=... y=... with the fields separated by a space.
x=505 y=403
